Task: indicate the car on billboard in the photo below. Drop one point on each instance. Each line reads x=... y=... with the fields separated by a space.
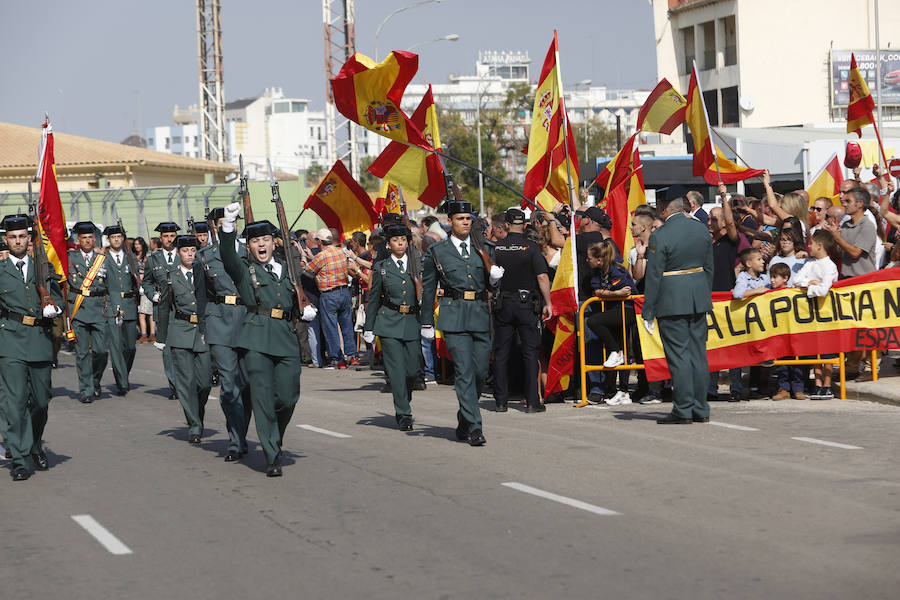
x=892 y=79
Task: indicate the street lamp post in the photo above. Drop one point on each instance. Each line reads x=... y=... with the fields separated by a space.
x=452 y=37
x=399 y=10
x=478 y=135
x=587 y=114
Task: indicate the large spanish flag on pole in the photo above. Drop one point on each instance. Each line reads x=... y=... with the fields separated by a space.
x=51 y=217
x=546 y=172
x=827 y=183
x=859 y=111
x=663 y=111
x=626 y=161
x=709 y=162
x=342 y=203
x=419 y=173
x=561 y=364
x=369 y=94
x=620 y=205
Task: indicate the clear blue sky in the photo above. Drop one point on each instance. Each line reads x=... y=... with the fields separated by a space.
x=105 y=67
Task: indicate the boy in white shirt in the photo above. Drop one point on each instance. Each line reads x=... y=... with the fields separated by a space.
x=817 y=277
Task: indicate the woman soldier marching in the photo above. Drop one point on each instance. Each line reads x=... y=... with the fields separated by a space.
x=392 y=314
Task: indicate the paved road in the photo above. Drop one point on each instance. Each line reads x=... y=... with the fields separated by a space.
x=573 y=503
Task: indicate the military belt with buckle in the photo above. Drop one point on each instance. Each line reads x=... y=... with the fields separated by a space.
x=274 y=313
x=403 y=309
x=88 y=293
x=29 y=320
x=232 y=300
x=191 y=318
x=465 y=294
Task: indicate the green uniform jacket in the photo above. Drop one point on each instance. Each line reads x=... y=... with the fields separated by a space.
x=180 y=296
x=120 y=280
x=460 y=274
x=261 y=333
x=682 y=243
x=155 y=269
x=92 y=308
x=30 y=343
x=223 y=321
x=388 y=283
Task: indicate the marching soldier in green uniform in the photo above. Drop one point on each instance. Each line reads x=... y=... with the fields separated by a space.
x=463 y=314
x=225 y=313
x=159 y=262
x=392 y=314
x=680 y=266
x=88 y=296
x=181 y=328
x=26 y=350
x=121 y=309
x=268 y=340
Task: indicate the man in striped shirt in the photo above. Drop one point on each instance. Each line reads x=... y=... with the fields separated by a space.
x=332 y=272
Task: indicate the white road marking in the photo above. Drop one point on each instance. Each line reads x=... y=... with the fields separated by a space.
x=324 y=431
x=730 y=426
x=827 y=443
x=599 y=510
x=101 y=534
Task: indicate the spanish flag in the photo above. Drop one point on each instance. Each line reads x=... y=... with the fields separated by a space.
x=663 y=111
x=51 y=217
x=620 y=205
x=709 y=162
x=626 y=161
x=546 y=172
x=827 y=182
x=561 y=364
x=419 y=173
x=388 y=200
x=370 y=94
x=342 y=203
x=859 y=111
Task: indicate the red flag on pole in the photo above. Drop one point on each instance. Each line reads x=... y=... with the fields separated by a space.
x=51 y=218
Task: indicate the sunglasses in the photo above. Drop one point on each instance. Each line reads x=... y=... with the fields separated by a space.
x=818 y=208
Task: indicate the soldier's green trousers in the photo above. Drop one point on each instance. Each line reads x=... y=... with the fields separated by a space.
x=193 y=378
x=91 y=348
x=471 y=354
x=401 y=363
x=122 y=341
x=234 y=394
x=274 y=391
x=684 y=342
x=25 y=394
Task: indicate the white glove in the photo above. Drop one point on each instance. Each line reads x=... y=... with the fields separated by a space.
x=368 y=337
x=231 y=215
x=159 y=345
x=155 y=298
x=119 y=320
x=496 y=274
x=428 y=332
x=649 y=326
x=51 y=310
x=309 y=313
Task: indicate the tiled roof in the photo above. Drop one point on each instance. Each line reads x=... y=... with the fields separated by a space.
x=19 y=149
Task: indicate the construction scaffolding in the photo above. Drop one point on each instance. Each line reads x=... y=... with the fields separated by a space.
x=212 y=81
x=340 y=44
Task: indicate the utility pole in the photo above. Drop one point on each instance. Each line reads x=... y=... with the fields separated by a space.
x=338 y=18
x=212 y=142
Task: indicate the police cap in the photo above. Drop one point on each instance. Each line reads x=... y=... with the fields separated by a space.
x=113 y=229
x=515 y=216
x=258 y=229
x=168 y=227
x=186 y=241
x=16 y=222
x=84 y=227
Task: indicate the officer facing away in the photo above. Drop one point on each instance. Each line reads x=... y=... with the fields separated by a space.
x=524 y=297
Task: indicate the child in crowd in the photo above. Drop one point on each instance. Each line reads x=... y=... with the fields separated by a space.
x=779 y=275
x=817 y=276
x=752 y=280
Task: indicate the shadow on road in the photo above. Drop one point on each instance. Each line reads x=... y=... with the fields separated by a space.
x=387 y=421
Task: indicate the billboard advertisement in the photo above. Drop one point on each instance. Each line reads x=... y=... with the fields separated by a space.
x=865 y=60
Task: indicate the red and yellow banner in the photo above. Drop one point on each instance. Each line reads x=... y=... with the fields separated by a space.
x=547 y=171
x=51 y=217
x=418 y=172
x=342 y=203
x=369 y=94
x=860 y=313
x=859 y=111
x=561 y=364
x=663 y=111
x=620 y=205
x=617 y=171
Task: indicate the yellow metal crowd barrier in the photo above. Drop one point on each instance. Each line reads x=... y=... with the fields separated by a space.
x=585 y=368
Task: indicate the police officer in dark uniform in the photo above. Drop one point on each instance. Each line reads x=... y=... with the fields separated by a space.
x=523 y=298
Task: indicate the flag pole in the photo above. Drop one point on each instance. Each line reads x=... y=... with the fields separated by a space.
x=727 y=145
x=442 y=155
x=877 y=122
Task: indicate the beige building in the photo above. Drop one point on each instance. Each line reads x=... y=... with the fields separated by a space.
x=85 y=163
x=768 y=63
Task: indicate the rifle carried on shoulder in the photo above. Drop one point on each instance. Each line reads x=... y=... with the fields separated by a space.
x=131 y=259
x=245 y=190
x=213 y=233
x=476 y=233
x=302 y=300
x=415 y=257
x=41 y=262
